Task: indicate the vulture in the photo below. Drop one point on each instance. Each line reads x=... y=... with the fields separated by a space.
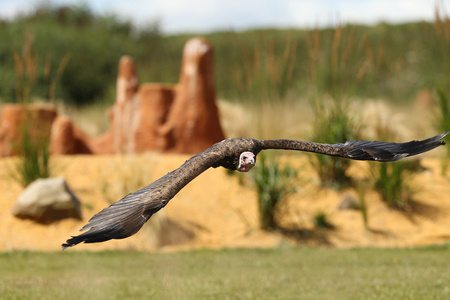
x=125 y=217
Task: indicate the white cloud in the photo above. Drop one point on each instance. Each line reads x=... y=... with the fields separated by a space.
x=207 y=15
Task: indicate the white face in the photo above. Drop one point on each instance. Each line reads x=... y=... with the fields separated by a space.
x=246 y=161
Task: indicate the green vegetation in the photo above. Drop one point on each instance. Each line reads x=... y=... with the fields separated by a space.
x=283 y=273
x=34 y=157
x=273 y=184
x=93 y=43
x=388 y=61
x=321 y=220
x=333 y=124
x=390 y=181
x=442 y=120
x=33 y=144
x=361 y=187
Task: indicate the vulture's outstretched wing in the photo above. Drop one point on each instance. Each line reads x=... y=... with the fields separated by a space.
x=120 y=220
x=360 y=150
x=125 y=217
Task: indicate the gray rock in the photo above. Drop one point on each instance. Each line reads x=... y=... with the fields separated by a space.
x=349 y=201
x=47 y=200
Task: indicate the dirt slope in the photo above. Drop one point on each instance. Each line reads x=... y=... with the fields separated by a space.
x=215 y=211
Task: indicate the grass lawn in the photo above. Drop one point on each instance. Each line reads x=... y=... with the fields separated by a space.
x=282 y=273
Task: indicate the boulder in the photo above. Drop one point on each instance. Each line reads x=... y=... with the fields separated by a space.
x=47 y=200
x=349 y=201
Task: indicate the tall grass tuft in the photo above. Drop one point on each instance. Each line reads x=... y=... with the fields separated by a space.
x=333 y=124
x=390 y=179
x=361 y=188
x=266 y=70
x=442 y=120
x=343 y=59
x=34 y=156
x=273 y=184
x=33 y=145
x=391 y=183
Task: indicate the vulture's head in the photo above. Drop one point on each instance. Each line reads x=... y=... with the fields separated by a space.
x=247 y=161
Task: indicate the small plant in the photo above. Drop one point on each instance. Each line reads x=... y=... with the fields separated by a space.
x=390 y=179
x=361 y=189
x=442 y=120
x=273 y=184
x=33 y=143
x=391 y=183
x=321 y=220
x=266 y=70
x=333 y=124
x=34 y=156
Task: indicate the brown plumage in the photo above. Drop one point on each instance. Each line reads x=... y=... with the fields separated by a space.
x=125 y=217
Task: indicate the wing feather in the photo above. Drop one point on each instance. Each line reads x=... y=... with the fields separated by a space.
x=381 y=151
x=120 y=220
x=360 y=150
x=125 y=217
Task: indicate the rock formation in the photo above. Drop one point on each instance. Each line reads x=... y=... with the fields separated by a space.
x=193 y=122
x=36 y=120
x=66 y=138
x=181 y=118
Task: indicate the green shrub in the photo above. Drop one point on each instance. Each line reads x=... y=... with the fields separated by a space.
x=390 y=181
x=321 y=220
x=361 y=187
x=333 y=124
x=273 y=184
x=442 y=120
x=33 y=156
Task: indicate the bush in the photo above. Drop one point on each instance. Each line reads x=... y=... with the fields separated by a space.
x=333 y=124
x=390 y=181
x=34 y=156
x=442 y=120
x=273 y=184
x=321 y=220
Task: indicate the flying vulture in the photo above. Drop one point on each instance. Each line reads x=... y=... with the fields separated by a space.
x=125 y=217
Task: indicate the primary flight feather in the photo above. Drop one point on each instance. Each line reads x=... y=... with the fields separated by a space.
x=125 y=217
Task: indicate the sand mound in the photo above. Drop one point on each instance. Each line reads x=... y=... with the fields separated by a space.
x=215 y=211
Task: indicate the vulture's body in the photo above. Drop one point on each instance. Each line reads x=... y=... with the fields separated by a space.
x=125 y=217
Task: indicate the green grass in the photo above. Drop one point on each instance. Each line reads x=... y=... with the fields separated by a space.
x=283 y=273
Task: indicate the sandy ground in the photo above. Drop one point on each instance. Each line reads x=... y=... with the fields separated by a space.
x=215 y=211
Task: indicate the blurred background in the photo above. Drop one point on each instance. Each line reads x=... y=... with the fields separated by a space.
x=326 y=71
x=264 y=49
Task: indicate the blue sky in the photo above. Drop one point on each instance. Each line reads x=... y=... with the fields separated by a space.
x=177 y=16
